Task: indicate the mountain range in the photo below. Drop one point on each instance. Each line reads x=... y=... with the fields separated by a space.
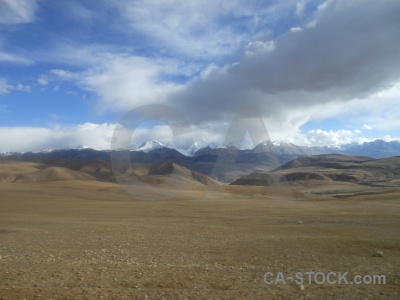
x=225 y=164
x=376 y=149
x=336 y=175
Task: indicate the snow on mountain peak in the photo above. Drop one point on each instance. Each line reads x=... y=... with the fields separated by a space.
x=82 y=147
x=150 y=145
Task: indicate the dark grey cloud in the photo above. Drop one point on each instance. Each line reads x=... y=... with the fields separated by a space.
x=352 y=50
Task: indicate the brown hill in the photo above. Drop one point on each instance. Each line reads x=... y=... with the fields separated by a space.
x=26 y=172
x=331 y=173
x=179 y=173
x=102 y=171
x=52 y=174
x=98 y=169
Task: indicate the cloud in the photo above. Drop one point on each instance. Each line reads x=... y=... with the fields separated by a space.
x=63 y=74
x=208 y=58
x=23 y=88
x=128 y=82
x=296 y=29
x=97 y=136
x=334 y=62
x=199 y=29
x=13 y=12
x=12 y=58
x=367 y=127
x=56 y=74
x=318 y=137
x=300 y=8
x=380 y=110
x=332 y=69
x=5 y=88
x=43 y=80
x=259 y=48
x=17 y=11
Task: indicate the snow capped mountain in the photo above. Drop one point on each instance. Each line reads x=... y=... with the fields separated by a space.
x=154 y=145
x=149 y=146
x=285 y=147
x=265 y=146
x=46 y=151
x=375 y=149
x=276 y=143
x=193 y=148
x=5 y=153
x=81 y=147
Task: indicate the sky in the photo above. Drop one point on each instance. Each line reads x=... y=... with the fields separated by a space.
x=317 y=72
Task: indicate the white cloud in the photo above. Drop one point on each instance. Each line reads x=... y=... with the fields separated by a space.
x=5 y=88
x=319 y=73
x=17 y=11
x=377 y=111
x=323 y=6
x=259 y=48
x=367 y=127
x=320 y=137
x=24 y=88
x=57 y=74
x=125 y=83
x=12 y=58
x=300 y=8
x=97 y=136
x=388 y=138
x=43 y=80
x=202 y=29
x=63 y=74
x=331 y=70
x=184 y=27
x=296 y=29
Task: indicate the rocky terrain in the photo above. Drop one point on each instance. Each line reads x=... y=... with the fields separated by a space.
x=68 y=230
x=92 y=240
x=337 y=174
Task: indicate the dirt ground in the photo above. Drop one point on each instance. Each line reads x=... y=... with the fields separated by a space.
x=91 y=240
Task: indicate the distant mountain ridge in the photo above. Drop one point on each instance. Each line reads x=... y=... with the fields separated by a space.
x=150 y=145
x=222 y=163
x=335 y=174
x=376 y=149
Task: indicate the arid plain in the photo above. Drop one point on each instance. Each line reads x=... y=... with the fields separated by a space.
x=78 y=238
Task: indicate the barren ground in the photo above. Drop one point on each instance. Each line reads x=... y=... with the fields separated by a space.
x=91 y=240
